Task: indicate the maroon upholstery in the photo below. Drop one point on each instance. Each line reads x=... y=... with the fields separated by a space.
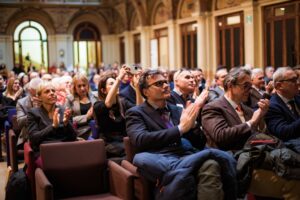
x=30 y=162
x=80 y=170
x=142 y=187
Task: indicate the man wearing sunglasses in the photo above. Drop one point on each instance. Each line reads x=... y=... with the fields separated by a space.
x=283 y=117
x=157 y=130
x=228 y=124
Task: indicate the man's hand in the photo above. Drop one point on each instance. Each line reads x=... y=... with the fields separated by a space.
x=263 y=106
x=188 y=117
x=36 y=102
x=201 y=99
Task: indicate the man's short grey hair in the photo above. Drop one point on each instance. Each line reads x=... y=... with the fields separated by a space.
x=233 y=76
x=255 y=72
x=279 y=73
x=34 y=83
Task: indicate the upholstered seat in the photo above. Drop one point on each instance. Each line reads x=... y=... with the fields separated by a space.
x=80 y=170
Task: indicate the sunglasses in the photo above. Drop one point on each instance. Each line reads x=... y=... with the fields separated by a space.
x=245 y=86
x=159 y=83
x=292 y=80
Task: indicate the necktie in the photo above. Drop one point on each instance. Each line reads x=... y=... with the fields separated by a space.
x=239 y=108
x=164 y=115
x=293 y=106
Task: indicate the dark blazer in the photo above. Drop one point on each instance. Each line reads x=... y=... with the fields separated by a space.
x=280 y=121
x=128 y=97
x=41 y=131
x=215 y=93
x=23 y=106
x=223 y=127
x=253 y=98
x=148 y=133
x=176 y=99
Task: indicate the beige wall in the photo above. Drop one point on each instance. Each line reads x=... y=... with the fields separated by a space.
x=207 y=58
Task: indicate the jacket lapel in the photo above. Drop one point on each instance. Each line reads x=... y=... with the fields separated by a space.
x=229 y=109
x=153 y=114
x=283 y=106
x=174 y=114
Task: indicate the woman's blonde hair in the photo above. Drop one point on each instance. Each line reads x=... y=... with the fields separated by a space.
x=42 y=86
x=10 y=83
x=76 y=79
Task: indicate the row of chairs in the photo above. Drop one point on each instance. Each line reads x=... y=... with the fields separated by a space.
x=137 y=187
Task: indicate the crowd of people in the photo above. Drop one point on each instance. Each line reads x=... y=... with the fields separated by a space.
x=191 y=134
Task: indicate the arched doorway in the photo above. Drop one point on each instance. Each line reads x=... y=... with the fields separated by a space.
x=87 y=46
x=30 y=45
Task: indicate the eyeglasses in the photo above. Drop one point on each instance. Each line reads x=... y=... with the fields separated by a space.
x=292 y=80
x=159 y=83
x=245 y=86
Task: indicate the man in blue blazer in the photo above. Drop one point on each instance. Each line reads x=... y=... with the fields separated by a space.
x=157 y=130
x=283 y=119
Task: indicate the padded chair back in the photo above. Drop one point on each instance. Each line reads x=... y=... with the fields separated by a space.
x=75 y=168
x=94 y=129
x=10 y=113
x=13 y=151
x=130 y=150
x=30 y=162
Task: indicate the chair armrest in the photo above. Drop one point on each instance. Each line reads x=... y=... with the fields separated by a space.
x=142 y=188
x=130 y=167
x=13 y=151
x=44 y=189
x=121 y=181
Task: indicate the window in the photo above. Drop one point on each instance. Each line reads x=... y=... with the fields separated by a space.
x=30 y=45
x=230 y=40
x=122 y=49
x=282 y=35
x=189 y=45
x=87 y=46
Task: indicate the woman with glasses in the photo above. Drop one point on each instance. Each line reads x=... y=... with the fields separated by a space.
x=109 y=114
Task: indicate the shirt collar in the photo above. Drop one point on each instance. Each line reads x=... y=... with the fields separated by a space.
x=177 y=91
x=232 y=103
x=153 y=105
x=285 y=100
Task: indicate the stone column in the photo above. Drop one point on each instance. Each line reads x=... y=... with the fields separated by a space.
x=145 y=46
x=6 y=51
x=110 y=49
x=63 y=44
x=173 y=61
x=129 y=49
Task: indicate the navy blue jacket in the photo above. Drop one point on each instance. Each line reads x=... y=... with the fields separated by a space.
x=280 y=121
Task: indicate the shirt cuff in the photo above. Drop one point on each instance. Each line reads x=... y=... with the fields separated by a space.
x=180 y=130
x=249 y=124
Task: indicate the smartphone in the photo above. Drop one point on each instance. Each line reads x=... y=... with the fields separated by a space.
x=134 y=69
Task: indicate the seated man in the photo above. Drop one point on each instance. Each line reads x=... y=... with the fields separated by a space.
x=218 y=90
x=257 y=90
x=156 y=129
x=24 y=105
x=283 y=116
x=228 y=124
x=184 y=83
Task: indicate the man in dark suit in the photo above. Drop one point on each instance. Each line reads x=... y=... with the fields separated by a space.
x=130 y=95
x=218 y=90
x=157 y=129
x=257 y=90
x=283 y=117
x=24 y=105
x=228 y=124
x=184 y=83
x=184 y=86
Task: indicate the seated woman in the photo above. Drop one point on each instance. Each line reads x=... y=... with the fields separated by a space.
x=109 y=114
x=13 y=90
x=81 y=104
x=49 y=123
